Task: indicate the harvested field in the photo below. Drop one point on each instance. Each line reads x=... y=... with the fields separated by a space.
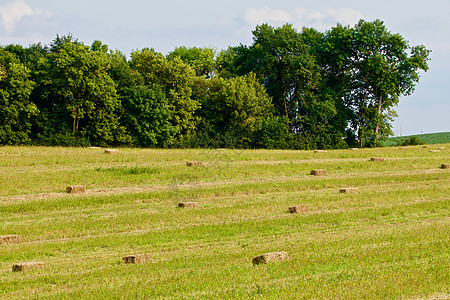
x=388 y=241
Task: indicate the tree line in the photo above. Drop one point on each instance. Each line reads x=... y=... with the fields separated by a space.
x=289 y=89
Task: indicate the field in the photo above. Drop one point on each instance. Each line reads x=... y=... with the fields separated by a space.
x=429 y=138
x=390 y=240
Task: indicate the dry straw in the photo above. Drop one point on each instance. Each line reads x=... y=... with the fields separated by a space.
x=348 y=190
x=111 y=151
x=298 y=209
x=376 y=159
x=9 y=239
x=137 y=259
x=270 y=257
x=20 y=267
x=187 y=204
x=193 y=163
x=76 y=189
x=319 y=172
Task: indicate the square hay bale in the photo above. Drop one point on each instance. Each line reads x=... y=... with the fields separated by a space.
x=194 y=163
x=435 y=151
x=9 y=239
x=441 y=148
x=298 y=209
x=20 y=267
x=76 y=189
x=376 y=159
x=320 y=151
x=270 y=257
x=137 y=259
x=445 y=166
x=319 y=172
x=111 y=151
x=348 y=190
x=188 y=204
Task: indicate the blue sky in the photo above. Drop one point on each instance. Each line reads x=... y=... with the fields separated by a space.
x=164 y=25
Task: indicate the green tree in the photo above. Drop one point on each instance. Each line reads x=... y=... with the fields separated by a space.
x=75 y=80
x=383 y=68
x=176 y=79
x=202 y=60
x=16 y=110
x=234 y=109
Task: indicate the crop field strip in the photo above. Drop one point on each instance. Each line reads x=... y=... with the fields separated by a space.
x=396 y=226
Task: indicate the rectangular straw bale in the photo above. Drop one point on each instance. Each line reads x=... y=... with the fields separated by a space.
x=76 y=189
x=320 y=151
x=376 y=159
x=193 y=163
x=445 y=166
x=20 y=267
x=319 y=172
x=298 y=209
x=111 y=151
x=348 y=190
x=137 y=259
x=435 y=151
x=9 y=239
x=187 y=204
x=270 y=257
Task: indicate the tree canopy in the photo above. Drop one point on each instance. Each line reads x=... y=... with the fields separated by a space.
x=290 y=88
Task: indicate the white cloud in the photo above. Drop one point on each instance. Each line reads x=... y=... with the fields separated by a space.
x=12 y=12
x=300 y=17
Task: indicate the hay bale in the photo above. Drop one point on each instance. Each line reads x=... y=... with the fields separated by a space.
x=9 y=239
x=270 y=257
x=76 y=189
x=427 y=146
x=319 y=172
x=441 y=148
x=376 y=159
x=320 y=151
x=348 y=190
x=188 y=204
x=194 y=163
x=20 y=267
x=298 y=209
x=445 y=166
x=111 y=151
x=137 y=259
x=435 y=151
x=354 y=148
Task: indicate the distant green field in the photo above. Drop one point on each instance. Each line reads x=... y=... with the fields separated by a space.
x=389 y=240
x=429 y=139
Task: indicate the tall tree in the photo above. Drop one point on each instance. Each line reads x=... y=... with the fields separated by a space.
x=383 y=68
x=202 y=60
x=16 y=110
x=75 y=79
x=176 y=79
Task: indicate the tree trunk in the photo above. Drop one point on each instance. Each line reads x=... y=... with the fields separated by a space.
x=380 y=105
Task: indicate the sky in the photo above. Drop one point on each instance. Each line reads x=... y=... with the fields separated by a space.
x=164 y=25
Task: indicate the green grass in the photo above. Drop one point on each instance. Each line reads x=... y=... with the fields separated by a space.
x=429 y=139
x=391 y=240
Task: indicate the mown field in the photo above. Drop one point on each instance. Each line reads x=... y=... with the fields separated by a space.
x=390 y=240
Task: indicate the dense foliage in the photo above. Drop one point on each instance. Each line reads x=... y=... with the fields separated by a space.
x=288 y=89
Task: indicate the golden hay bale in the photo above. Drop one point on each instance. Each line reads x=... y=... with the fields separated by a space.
x=20 y=267
x=354 y=148
x=319 y=172
x=348 y=190
x=111 y=151
x=298 y=209
x=426 y=146
x=435 y=151
x=187 y=204
x=445 y=166
x=320 y=151
x=76 y=189
x=441 y=148
x=270 y=257
x=137 y=259
x=193 y=163
x=376 y=159
x=9 y=239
